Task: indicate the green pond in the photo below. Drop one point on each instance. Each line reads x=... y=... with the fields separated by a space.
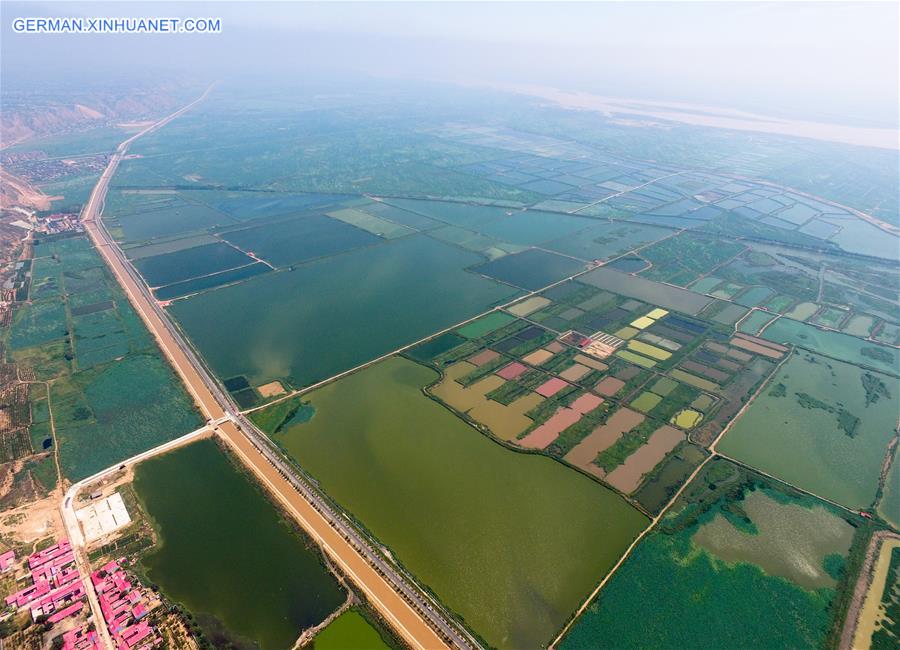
x=791 y=540
x=226 y=554
x=177 y=219
x=511 y=542
x=600 y=241
x=656 y=293
x=190 y=263
x=754 y=321
x=532 y=228
x=349 y=631
x=834 y=344
x=532 y=269
x=457 y=214
x=794 y=431
x=299 y=239
x=334 y=314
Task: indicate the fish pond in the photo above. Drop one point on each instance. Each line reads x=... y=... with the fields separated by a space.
x=325 y=317
x=226 y=553
x=350 y=631
x=822 y=425
x=834 y=344
x=511 y=542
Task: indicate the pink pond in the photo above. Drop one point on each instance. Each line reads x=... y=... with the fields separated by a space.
x=551 y=387
x=512 y=371
x=586 y=403
x=550 y=430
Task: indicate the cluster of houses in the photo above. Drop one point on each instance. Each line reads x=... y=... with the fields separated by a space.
x=83 y=637
x=125 y=605
x=56 y=591
x=39 y=168
x=59 y=222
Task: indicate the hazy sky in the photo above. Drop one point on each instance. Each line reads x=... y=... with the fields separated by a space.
x=824 y=60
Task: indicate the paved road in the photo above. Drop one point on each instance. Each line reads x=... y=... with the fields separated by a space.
x=416 y=617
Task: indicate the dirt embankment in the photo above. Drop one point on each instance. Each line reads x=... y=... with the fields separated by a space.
x=862 y=586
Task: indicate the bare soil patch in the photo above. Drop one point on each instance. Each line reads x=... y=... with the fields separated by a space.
x=271 y=389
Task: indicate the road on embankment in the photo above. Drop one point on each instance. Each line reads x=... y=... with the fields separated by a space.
x=415 y=616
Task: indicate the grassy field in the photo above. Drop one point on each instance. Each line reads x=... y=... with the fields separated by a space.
x=820 y=424
x=511 y=542
x=736 y=561
x=118 y=410
x=112 y=394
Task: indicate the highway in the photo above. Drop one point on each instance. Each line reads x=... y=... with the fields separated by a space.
x=416 y=617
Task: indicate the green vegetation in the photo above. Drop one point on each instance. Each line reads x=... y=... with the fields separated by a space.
x=881 y=355
x=680 y=260
x=484 y=325
x=875 y=388
x=621 y=449
x=226 y=553
x=368 y=150
x=889 y=505
x=512 y=542
x=728 y=558
x=112 y=394
x=117 y=411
